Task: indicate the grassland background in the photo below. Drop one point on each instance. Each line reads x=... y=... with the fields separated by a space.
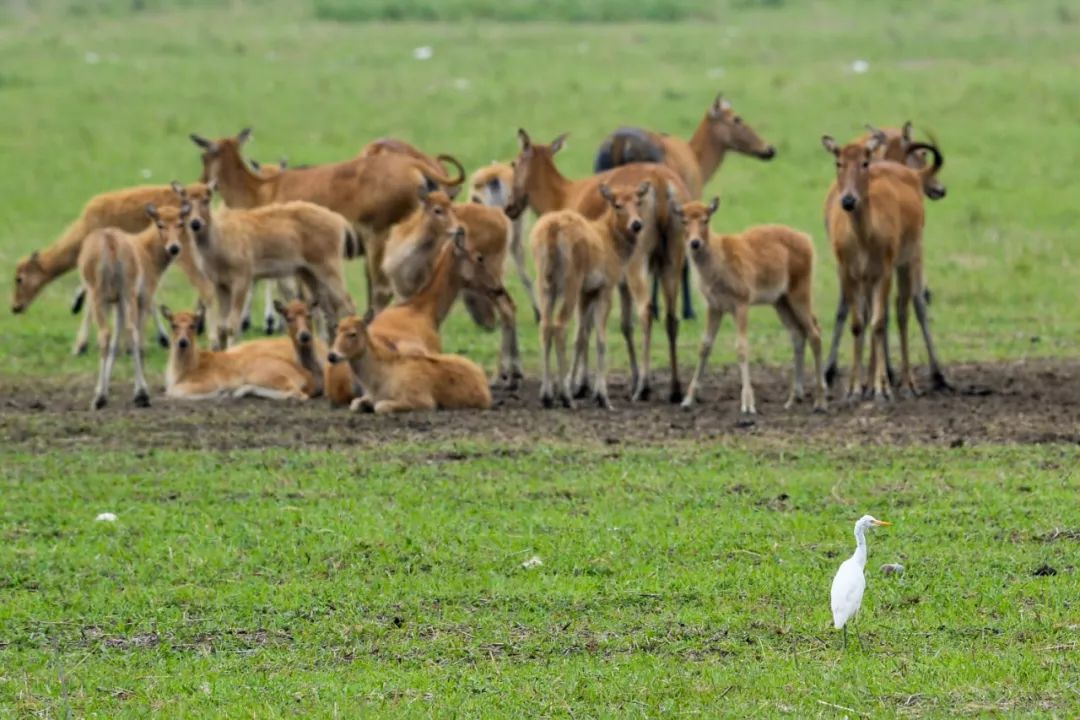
x=686 y=581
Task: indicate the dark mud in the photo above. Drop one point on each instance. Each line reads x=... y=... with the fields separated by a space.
x=1014 y=402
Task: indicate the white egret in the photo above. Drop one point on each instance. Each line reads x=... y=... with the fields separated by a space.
x=849 y=583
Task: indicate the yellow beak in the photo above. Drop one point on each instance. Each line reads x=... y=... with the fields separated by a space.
x=882 y=522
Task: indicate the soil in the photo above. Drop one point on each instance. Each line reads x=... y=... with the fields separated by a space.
x=1035 y=401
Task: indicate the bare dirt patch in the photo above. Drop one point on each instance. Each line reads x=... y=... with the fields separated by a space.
x=1014 y=402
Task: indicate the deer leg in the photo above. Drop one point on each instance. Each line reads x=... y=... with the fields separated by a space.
x=638 y=282
x=82 y=337
x=798 y=346
x=517 y=249
x=626 y=325
x=936 y=373
x=880 y=299
x=135 y=312
x=580 y=370
x=687 y=296
x=842 y=308
x=108 y=344
x=510 y=353
x=236 y=308
x=714 y=316
x=600 y=319
x=245 y=318
x=904 y=292
x=855 y=296
x=742 y=351
x=669 y=282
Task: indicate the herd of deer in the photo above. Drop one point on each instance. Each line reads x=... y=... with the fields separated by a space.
x=635 y=226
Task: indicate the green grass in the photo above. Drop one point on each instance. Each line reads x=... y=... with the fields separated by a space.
x=675 y=582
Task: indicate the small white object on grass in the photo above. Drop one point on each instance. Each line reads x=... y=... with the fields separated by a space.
x=849 y=583
x=147 y=173
x=424 y=52
x=91 y=57
x=892 y=569
x=532 y=562
x=105 y=517
x=859 y=67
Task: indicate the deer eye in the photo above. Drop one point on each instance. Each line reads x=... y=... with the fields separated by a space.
x=737 y=120
x=438 y=211
x=865 y=164
x=618 y=206
x=839 y=165
x=18 y=279
x=480 y=259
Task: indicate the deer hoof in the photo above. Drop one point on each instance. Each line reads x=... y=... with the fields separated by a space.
x=99 y=402
x=142 y=399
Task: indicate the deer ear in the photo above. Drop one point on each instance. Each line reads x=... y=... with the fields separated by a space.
x=559 y=143
x=713 y=204
x=202 y=142
x=719 y=107
x=185 y=208
x=279 y=306
x=151 y=211
x=829 y=144
x=178 y=188
x=459 y=240
x=283 y=163
x=211 y=188
x=165 y=312
x=908 y=132
x=875 y=141
x=523 y=139
x=673 y=201
x=423 y=192
x=605 y=192
x=644 y=188
x=35 y=258
x=244 y=136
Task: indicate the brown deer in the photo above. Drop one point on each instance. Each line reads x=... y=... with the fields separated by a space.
x=891 y=144
x=124 y=210
x=696 y=160
x=491 y=186
x=401 y=382
x=579 y=262
x=196 y=374
x=660 y=251
x=373 y=191
x=764 y=265
x=416 y=240
x=236 y=247
x=122 y=271
x=301 y=345
x=875 y=224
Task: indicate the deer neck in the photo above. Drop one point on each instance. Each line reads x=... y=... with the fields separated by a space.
x=239 y=187
x=607 y=227
x=708 y=151
x=181 y=363
x=370 y=367
x=438 y=295
x=309 y=360
x=550 y=190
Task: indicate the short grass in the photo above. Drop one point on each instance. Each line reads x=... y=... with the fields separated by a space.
x=677 y=582
x=95 y=102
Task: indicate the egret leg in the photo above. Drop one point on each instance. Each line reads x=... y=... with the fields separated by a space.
x=845 y=635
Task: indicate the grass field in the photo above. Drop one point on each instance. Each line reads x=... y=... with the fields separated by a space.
x=684 y=577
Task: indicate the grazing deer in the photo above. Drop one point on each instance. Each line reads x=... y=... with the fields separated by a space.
x=875 y=224
x=374 y=192
x=892 y=144
x=696 y=160
x=764 y=265
x=660 y=251
x=401 y=382
x=123 y=210
x=491 y=186
x=579 y=263
x=236 y=247
x=122 y=271
x=196 y=374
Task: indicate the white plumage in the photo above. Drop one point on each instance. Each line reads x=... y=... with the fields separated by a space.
x=849 y=583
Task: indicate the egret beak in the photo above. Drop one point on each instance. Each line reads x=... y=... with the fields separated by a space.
x=882 y=522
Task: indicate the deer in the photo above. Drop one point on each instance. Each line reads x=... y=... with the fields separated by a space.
x=763 y=265
x=196 y=374
x=412 y=254
x=402 y=382
x=491 y=186
x=875 y=224
x=301 y=345
x=659 y=252
x=235 y=247
x=373 y=191
x=696 y=161
x=122 y=271
x=124 y=210
x=579 y=262
x=892 y=145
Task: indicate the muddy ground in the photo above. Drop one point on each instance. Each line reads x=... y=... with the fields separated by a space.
x=1013 y=402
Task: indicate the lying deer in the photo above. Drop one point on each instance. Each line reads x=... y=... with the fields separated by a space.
x=660 y=251
x=765 y=265
x=373 y=191
x=195 y=374
x=301 y=345
x=892 y=145
x=579 y=263
x=124 y=210
x=236 y=247
x=401 y=382
x=122 y=271
x=875 y=225
x=696 y=160
x=491 y=186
